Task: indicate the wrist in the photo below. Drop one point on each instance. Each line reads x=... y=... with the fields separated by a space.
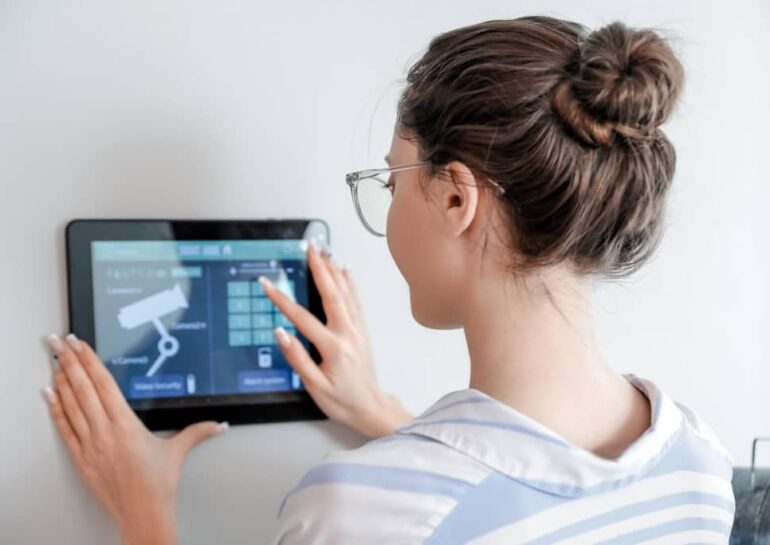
x=387 y=414
x=158 y=527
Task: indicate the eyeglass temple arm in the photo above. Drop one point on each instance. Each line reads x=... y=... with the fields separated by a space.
x=361 y=174
x=355 y=176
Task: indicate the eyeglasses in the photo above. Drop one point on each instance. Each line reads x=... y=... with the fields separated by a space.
x=372 y=194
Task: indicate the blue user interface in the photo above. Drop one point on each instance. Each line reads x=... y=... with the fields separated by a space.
x=189 y=318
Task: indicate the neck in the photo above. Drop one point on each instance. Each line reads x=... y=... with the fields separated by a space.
x=533 y=346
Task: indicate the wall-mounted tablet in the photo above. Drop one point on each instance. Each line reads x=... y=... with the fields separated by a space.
x=174 y=309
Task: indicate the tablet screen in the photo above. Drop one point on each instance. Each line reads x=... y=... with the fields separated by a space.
x=189 y=319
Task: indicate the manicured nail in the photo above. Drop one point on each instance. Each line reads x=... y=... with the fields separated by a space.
x=346 y=267
x=55 y=342
x=222 y=427
x=74 y=342
x=48 y=395
x=282 y=336
x=265 y=281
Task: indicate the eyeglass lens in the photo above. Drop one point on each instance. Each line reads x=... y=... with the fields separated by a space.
x=374 y=200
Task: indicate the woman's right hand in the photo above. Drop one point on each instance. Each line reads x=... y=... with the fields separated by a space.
x=344 y=385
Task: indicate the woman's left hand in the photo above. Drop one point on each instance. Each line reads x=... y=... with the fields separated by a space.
x=132 y=472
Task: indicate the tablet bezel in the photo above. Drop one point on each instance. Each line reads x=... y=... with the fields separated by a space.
x=233 y=408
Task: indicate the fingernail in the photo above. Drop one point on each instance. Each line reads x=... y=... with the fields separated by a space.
x=282 y=336
x=314 y=245
x=346 y=267
x=265 y=281
x=48 y=395
x=55 y=342
x=74 y=342
x=222 y=427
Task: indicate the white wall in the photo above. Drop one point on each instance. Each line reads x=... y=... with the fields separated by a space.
x=232 y=109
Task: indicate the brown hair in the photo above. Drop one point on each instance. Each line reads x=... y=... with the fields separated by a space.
x=566 y=121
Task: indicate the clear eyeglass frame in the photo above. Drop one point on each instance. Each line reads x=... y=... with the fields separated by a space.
x=352 y=179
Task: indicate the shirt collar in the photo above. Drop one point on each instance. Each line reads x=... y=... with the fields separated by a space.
x=511 y=443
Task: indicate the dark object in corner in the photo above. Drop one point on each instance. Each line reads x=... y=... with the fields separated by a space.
x=751 y=487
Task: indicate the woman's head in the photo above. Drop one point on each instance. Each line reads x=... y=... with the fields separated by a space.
x=566 y=120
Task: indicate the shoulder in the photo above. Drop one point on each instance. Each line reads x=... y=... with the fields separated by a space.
x=704 y=433
x=670 y=416
x=397 y=488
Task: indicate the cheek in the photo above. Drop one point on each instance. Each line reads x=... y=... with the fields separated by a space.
x=407 y=230
x=423 y=260
x=393 y=234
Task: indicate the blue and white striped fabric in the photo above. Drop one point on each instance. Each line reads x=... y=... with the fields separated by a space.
x=473 y=470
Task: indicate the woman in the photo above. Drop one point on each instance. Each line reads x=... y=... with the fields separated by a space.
x=527 y=158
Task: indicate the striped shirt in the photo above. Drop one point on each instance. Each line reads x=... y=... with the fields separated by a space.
x=471 y=469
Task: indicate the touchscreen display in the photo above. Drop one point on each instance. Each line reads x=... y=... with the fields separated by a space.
x=188 y=318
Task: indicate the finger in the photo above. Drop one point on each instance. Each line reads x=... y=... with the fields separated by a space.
x=310 y=326
x=107 y=389
x=63 y=425
x=70 y=406
x=353 y=292
x=194 y=434
x=335 y=272
x=344 y=288
x=333 y=303
x=333 y=269
x=299 y=360
x=82 y=386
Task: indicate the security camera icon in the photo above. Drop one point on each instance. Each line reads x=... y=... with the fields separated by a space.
x=151 y=309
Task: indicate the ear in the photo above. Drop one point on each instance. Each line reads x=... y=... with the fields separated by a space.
x=459 y=200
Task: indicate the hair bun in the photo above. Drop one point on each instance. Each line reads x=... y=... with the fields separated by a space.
x=625 y=81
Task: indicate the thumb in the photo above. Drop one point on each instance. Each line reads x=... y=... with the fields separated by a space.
x=195 y=434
